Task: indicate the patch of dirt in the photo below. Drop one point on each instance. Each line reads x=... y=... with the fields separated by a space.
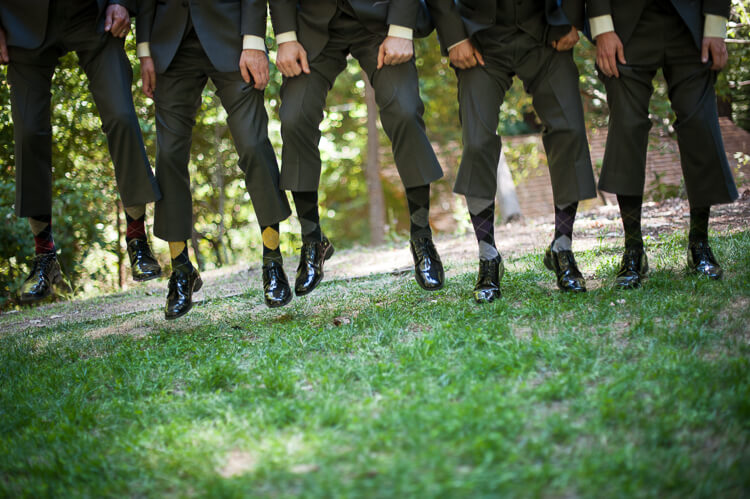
x=238 y=463
x=593 y=228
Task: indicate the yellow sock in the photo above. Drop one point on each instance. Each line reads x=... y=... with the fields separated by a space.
x=176 y=248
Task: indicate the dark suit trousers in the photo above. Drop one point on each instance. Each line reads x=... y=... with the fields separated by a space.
x=551 y=78
x=662 y=40
x=396 y=93
x=103 y=59
x=177 y=99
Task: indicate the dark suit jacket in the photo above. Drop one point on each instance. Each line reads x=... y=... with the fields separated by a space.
x=626 y=13
x=219 y=24
x=310 y=18
x=542 y=19
x=25 y=21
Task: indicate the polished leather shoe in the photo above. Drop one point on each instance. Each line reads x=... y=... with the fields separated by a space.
x=491 y=272
x=182 y=285
x=45 y=272
x=428 y=269
x=563 y=264
x=633 y=268
x=310 y=269
x=701 y=260
x=143 y=265
x=275 y=285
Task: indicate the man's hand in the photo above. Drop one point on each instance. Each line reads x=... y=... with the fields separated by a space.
x=394 y=51
x=117 y=21
x=718 y=50
x=291 y=59
x=148 y=76
x=568 y=41
x=609 y=51
x=4 y=57
x=465 y=55
x=254 y=63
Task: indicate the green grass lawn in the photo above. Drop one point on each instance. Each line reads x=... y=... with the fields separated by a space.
x=373 y=387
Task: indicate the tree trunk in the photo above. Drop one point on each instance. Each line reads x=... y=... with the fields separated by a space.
x=372 y=171
x=121 y=267
x=506 y=192
x=221 y=253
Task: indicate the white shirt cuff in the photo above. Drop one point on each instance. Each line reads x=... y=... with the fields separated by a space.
x=601 y=24
x=287 y=36
x=716 y=26
x=252 y=42
x=400 y=32
x=456 y=44
x=143 y=49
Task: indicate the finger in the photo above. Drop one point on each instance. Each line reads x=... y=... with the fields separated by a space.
x=296 y=69
x=4 y=57
x=478 y=56
x=108 y=20
x=303 y=62
x=704 y=51
x=245 y=73
x=381 y=56
x=621 y=54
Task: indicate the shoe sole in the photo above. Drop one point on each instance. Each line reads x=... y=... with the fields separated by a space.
x=149 y=278
x=328 y=255
x=279 y=305
x=196 y=287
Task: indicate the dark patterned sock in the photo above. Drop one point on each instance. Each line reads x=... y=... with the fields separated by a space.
x=41 y=227
x=418 y=199
x=271 y=246
x=309 y=218
x=699 y=224
x=482 y=214
x=630 y=211
x=565 y=217
x=179 y=253
x=135 y=216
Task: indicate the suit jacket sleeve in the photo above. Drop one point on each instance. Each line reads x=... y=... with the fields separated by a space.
x=450 y=26
x=131 y=5
x=254 y=18
x=575 y=12
x=283 y=15
x=144 y=20
x=402 y=13
x=596 y=8
x=716 y=7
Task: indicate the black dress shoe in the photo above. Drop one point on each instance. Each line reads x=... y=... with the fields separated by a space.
x=701 y=260
x=45 y=272
x=143 y=265
x=275 y=285
x=563 y=264
x=182 y=285
x=310 y=269
x=487 y=288
x=633 y=268
x=428 y=269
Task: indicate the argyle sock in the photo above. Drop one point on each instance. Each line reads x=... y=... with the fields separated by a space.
x=179 y=253
x=41 y=227
x=135 y=217
x=699 y=224
x=418 y=199
x=565 y=217
x=482 y=214
x=271 y=247
x=630 y=211
x=309 y=218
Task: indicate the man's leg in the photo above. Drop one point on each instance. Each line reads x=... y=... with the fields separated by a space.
x=248 y=123
x=110 y=77
x=302 y=103
x=551 y=77
x=401 y=109
x=30 y=104
x=708 y=177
